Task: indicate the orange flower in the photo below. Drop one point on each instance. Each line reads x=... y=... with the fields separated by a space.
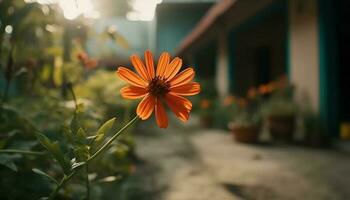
x=159 y=86
x=242 y=102
x=263 y=89
x=205 y=104
x=229 y=100
x=271 y=87
x=82 y=56
x=252 y=93
x=91 y=64
x=87 y=62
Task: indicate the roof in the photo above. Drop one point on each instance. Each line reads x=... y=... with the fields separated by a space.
x=224 y=15
x=207 y=21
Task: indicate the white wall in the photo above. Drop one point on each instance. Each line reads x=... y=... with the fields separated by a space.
x=222 y=66
x=304 y=53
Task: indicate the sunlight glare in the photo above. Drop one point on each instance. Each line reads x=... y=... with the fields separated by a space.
x=72 y=8
x=142 y=10
x=8 y=29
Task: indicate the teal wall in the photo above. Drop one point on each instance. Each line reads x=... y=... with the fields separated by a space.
x=328 y=67
x=175 y=21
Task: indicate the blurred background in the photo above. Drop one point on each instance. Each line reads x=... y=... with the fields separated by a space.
x=272 y=120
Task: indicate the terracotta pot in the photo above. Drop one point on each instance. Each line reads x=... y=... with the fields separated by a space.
x=281 y=128
x=245 y=134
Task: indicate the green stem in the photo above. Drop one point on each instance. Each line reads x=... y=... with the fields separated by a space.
x=105 y=146
x=87 y=182
x=60 y=185
x=98 y=152
x=6 y=91
x=70 y=87
x=38 y=153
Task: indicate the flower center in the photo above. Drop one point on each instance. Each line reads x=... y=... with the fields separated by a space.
x=158 y=87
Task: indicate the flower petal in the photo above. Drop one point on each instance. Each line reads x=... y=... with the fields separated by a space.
x=133 y=92
x=184 y=77
x=161 y=117
x=146 y=107
x=163 y=63
x=139 y=67
x=149 y=63
x=173 y=68
x=187 y=89
x=131 y=77
x=179 y=105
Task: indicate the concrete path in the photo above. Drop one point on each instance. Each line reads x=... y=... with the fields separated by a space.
x=186 y=163
x=180 y=174
x=267 y=172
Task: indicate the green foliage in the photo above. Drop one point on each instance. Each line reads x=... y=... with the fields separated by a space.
x=44 y=175
x=54 y=149
x=9 y=161
x=42 y=54
x=102 y=132
x=277 y=106
x=246 y=119
x=102 y=87
x=70 y=143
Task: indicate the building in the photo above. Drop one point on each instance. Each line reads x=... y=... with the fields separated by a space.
x=243 y=43
x=175 y=19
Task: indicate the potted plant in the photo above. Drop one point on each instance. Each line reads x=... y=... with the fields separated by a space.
x=245 y=124
x=280 y=116
x=206 y=113
x=279 y=110
x=226 y=108
x=245 y=127
x=207 y=103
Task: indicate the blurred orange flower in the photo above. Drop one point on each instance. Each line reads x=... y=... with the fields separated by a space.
x=91 y=64
x=82 y=56
x=87 y=62
x=263 y=89
x=242 y=102
x=230 y=99
x=271 y=87
x=252 y=93
x=205 y=104
x=156 y=87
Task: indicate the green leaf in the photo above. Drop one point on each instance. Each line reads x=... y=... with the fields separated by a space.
x=103 y=130
x=77 y=165
x=55 y=151
x=82 y=152
x=8 y=161
x=80 y=108
x=45 y=141
x=81 y=137
x=57 y=73
x=68 y=135
x=45 y=72
x=54 y=51
x=45 y=175
x=74 y=124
